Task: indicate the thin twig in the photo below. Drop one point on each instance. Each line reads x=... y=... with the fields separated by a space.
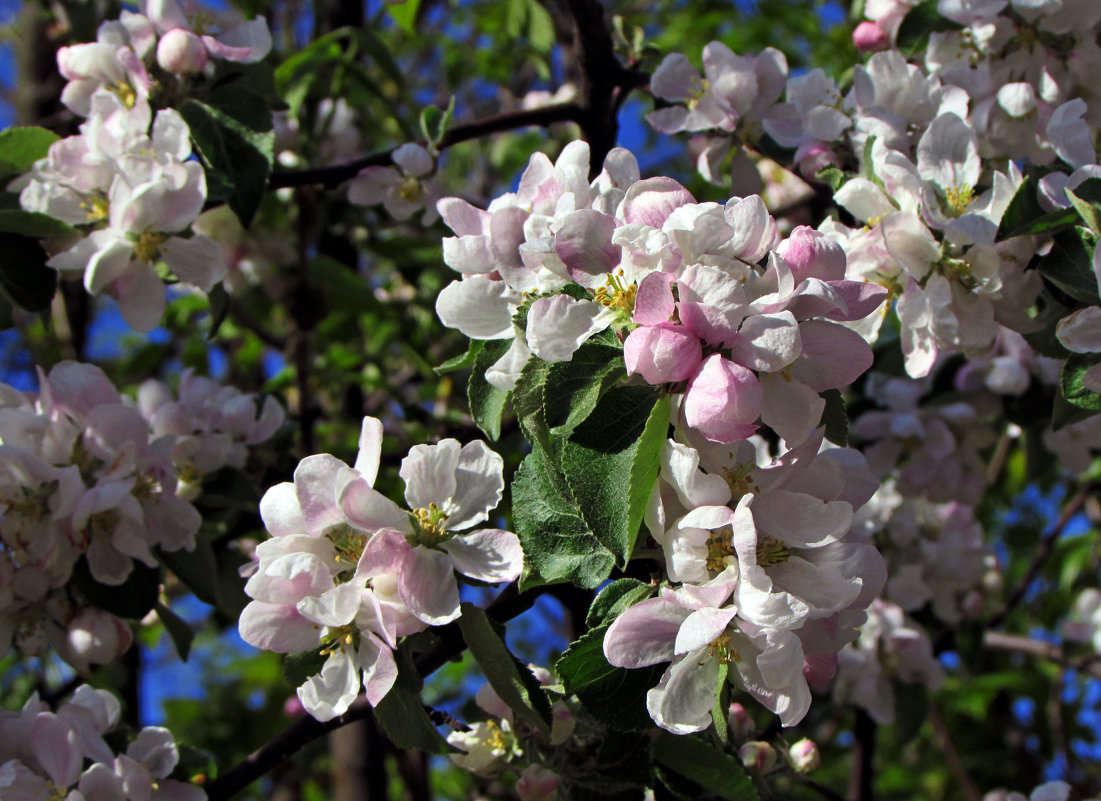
x=1048 y=651
x=862 y=776
x=507 y=605
x=1047 y=545
x=952 y=755
x=334 y=175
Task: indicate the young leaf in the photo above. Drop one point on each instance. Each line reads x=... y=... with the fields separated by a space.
x=21 y=147
x=24 y=276
x=233 y=131
x=617 y=596
x=835 y=417
x=33 y=224
x=611 y=462
x=558 y=546
x=177 y=629
x=300 y=666
x=573 y=388
x=695 y=759
x=401 y=713
x=219 y=308
x=133 y=599
x=405 y=15
x=1025 y=215
x=510 y=678
x=1069 y=265
x=919 y=23
x=462 y=361
x=487 y=402
x=614 y=696
x=1074 y=390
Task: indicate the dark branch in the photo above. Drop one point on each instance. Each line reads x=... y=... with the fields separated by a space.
x=509 y=604
x=331 y=177
x=1047 y=546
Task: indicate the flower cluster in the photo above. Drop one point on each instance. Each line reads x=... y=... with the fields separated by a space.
x=63 y=754
x=90 y=480
x=752 y=326
x=925 y=154
x=347 y=571
x=128 y=181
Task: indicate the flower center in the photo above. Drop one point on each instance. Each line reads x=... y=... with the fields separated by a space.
x=431 y=521
x=958 y=198
x=347 y=542
x=720 y=547
x=410 y=190
x=739 y=480
x=700 y=86
x=721 y=649
x=339 y=638
x=614 y=295
x=496 y=739
x=97 y=207
x=125 y=92
x=771 y=551
x=147 y=248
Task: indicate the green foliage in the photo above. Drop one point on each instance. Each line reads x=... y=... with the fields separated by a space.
x=25 y=279
x=232 y=128
x=1069 y=264
x=21 y=147
x=1071 y=381
x=512 y=680
x=615 y=598
x=835 y=417
x=178 y=630
x=487 y=402
x=919 y=23
x=694 y=759
x=614 y=696
x=401 y=713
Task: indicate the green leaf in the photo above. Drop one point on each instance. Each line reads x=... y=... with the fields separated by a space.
x=1089 y=212
x=507 y=675
x=219 y=308
x=540 y=27
x=436 y=121
x=197 y=568
x=487 y=402
x=300 y=666
x=834 y=177
x=696 y=759
x=132 y=598
x=718 y=712
x=617 y=596
x=835 y=417
x=911 y=709
x=343 y=288
x=462 y=361
x=617 y=769
x=1069 y=264
x=610 y=463
x=614 y=696
x=21 y=147
x=1025 y=215
x=33 y=224
x=401 y=713
x=528 y=403
x=233 y=132
x=1074 y=390
x=24 y=277
x=919 y=23
x=405 y=15
x=558 y=545
x=177 y=629
x=571 y=390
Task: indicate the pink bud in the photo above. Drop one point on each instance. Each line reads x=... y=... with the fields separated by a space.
x=739 y=722
x=758 y=756
x=869 y=37
x=536 y=783
x=811 y=254
x=804 y=756
x=723 y=399
x=662 y=353
x=181 y=52
x=97 y=637
x=813 y=155
x=293 y=708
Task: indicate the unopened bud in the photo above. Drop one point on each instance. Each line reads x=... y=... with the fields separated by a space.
x=739 y=722
x=869 y=37
x=804 y=756
x=181 y=52
x=537 y=783
x=96 y=637
x=758 y=756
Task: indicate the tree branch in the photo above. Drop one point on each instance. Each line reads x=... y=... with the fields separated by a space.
x=952 y=755
x=332 y=176
x=1047 y=545
x=508 y=604
x=862 y=776
x=1048 y=651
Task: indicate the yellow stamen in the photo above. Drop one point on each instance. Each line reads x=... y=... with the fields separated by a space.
x=720 y=547
x=771 y=551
